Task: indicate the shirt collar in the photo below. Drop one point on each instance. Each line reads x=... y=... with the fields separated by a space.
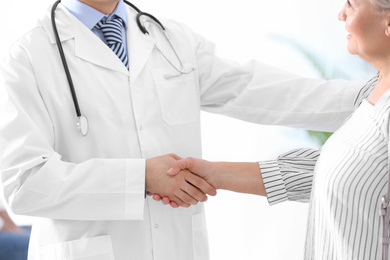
x=90 y=17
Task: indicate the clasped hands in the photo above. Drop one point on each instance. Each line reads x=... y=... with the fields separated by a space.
x=179 y=182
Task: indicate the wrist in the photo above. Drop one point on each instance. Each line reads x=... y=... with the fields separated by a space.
x=146 y=175
x=242 y=177
x=224 y=176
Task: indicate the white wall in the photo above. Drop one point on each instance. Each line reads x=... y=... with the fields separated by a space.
x=243 y=226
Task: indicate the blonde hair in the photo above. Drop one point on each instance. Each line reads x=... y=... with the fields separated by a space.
x=381 y=5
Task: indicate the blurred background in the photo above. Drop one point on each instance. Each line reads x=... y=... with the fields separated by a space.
x=302 y=36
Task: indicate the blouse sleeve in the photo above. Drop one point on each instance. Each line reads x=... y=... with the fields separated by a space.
x=290 y=177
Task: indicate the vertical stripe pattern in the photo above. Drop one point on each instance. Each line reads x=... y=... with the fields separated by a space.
x=112 y=32
x=350 y=179
x=344 y=184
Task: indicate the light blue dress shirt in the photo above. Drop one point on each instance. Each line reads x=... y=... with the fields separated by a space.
x=90 y=17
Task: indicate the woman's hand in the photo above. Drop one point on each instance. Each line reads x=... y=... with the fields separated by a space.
x=244 y=177
x=183 y=187
x=202 y=168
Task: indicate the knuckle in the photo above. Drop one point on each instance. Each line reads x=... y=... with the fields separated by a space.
x=190 y=160
x=197 y=194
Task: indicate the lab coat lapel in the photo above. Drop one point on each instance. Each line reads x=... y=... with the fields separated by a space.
x=64 y=24
x=92 y=49
x=139 y=46
x=87 y=45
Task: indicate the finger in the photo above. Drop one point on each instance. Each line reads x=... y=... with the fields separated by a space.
x=200 y=183
x=149 y=193
x=166 y=200
x=180 y=165
x=194 y=192
x=186 y=198
x=174 y=204
x=180 y=202
x=156 y=197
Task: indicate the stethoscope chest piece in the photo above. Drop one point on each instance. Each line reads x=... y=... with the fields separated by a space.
x=82 y=125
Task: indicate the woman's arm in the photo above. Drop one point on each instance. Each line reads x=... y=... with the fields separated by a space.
x=241 y=177
x=287 y=178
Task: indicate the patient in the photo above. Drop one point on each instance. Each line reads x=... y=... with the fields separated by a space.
x=346 y=186
x=13 y=239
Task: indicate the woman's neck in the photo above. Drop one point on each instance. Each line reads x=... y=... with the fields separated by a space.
x=381 y=87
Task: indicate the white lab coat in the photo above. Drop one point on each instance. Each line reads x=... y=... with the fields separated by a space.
x=88 y=192
x=2 y=208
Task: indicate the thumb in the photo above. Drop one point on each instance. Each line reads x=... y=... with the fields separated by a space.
x=175 y=156
x=178 y=166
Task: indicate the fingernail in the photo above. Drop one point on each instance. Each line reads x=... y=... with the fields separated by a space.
x=170 y=170
x=214 y=193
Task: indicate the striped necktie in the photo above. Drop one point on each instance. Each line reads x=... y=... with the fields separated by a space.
x=112 y=32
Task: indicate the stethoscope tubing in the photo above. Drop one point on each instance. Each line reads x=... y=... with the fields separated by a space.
x=62 y=54
x=63 y=58
x=82 y=123
x=139 y=14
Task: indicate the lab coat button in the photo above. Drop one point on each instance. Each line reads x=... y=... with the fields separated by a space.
x=140 y=128
x=156 y=226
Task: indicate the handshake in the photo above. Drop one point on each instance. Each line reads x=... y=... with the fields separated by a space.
x=185 y=182
x=179 y=182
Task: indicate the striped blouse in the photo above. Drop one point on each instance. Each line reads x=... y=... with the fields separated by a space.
x=344 y=185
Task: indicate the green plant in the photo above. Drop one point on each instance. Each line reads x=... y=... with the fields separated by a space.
x=319 y=64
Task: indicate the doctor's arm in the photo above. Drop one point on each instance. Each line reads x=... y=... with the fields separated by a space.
x=39 y=182
x=262 y=94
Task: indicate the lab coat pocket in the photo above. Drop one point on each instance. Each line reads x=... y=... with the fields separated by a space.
x=199 y=237
x=179 y=96
x=95 y=248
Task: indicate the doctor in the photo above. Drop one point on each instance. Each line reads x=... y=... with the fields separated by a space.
x=89 y=190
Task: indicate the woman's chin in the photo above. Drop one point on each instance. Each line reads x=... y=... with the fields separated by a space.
x=351 y=50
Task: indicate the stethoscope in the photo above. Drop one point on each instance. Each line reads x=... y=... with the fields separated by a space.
x=82 y=123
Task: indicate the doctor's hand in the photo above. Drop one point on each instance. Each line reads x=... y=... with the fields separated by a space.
x=183 y=188
x=202 y=168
